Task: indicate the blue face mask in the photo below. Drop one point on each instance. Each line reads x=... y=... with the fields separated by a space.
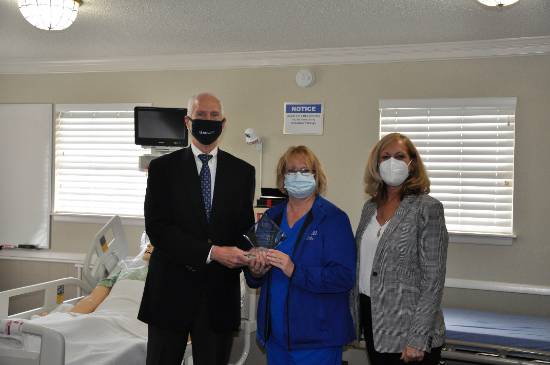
x=300 y=185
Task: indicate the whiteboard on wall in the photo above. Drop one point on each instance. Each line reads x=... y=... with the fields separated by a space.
x=25 y=187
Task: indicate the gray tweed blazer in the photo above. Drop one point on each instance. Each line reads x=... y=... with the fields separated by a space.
x=407 y=277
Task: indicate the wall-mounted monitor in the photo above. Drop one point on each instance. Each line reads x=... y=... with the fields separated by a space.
x=155 y=126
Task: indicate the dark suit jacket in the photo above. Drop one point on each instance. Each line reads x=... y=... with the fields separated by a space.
x=179 y=279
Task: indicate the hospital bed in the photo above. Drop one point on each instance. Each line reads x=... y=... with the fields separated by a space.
x=108 y=247
x=482 y=337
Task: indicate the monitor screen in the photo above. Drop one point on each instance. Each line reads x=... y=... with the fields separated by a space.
x=155 y=126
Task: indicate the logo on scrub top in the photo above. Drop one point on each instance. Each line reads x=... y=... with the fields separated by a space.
x=311 y=237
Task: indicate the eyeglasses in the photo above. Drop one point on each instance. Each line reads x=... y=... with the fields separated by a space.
x=301 y=171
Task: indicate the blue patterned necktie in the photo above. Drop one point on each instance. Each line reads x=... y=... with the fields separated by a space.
x=206 y=184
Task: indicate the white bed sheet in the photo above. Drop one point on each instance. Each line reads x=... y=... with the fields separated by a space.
x=110 y=335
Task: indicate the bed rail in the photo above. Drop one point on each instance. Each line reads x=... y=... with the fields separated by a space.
x=52 y=296
x=479 y=353
x=108 y=248
x=52 y=344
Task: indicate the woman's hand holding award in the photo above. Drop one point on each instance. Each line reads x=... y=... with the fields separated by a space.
x=263 y=235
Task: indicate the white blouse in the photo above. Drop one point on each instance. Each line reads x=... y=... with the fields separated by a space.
x=369 y=243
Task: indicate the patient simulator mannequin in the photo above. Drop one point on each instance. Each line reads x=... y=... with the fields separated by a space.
x=134 y=269
x=103 y=327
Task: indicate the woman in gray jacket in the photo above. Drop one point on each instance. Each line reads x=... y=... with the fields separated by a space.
x=402 y=250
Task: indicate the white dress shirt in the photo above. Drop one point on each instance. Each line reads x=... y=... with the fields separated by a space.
x=369 y=244
x=212 y=164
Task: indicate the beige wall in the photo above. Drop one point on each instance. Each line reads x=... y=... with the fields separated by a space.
x=255 y=97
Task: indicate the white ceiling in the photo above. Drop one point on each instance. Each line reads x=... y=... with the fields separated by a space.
x=160 y=29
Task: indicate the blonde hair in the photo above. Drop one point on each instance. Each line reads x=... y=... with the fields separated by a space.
x=312 y=163
x=416 y=183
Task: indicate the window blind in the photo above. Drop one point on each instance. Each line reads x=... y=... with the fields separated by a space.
x=96 y=162
x=467 y=146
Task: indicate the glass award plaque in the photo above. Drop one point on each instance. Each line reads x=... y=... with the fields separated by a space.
x=264 y=234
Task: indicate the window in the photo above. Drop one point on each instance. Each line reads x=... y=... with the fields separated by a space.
x=96 y=161
x=467 y=146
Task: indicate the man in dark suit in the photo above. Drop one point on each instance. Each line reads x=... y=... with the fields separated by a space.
x=198 y=204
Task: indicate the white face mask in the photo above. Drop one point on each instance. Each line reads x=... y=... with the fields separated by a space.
x=393 y=171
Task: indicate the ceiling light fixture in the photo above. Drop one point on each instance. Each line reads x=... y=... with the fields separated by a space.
x=499 y=3
x=50 y=14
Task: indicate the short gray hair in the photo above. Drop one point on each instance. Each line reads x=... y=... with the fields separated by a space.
x=193 y=99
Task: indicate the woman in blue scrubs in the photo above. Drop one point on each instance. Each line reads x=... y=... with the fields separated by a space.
x=303 y=312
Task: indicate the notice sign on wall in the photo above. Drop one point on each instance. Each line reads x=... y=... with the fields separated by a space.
x=303 y=118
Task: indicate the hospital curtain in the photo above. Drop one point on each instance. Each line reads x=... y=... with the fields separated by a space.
x=467 y=146
x=96 y=161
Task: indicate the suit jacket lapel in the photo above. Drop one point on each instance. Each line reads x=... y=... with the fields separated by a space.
x=369 y=210
x=192 y=184
x=400 y=213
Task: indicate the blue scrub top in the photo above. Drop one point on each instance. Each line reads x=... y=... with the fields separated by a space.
x=277 y=343
x=279 y=281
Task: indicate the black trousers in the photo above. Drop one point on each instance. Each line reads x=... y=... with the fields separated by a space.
x=383 y=358
x=167 y=347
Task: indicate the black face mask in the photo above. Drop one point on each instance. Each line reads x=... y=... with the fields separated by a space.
x=206 y=131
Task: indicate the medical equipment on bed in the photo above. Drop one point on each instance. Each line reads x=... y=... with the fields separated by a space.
x=490 y=338
x=108 y=247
